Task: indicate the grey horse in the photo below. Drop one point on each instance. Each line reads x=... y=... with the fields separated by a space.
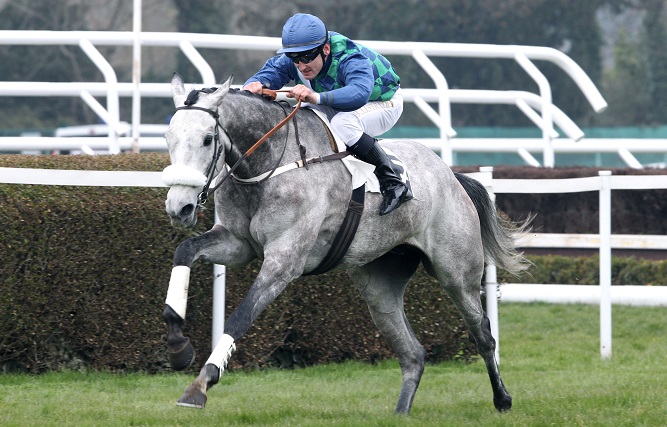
x=289 y=221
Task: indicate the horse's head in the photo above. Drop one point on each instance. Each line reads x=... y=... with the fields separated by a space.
x=196 y=149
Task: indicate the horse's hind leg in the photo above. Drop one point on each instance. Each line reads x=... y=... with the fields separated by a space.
x=382 y=284
x=486 y=345
x=464 y=291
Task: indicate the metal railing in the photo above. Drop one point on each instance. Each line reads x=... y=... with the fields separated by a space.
x=537 y=107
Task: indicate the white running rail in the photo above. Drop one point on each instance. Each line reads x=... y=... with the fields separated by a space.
x=604 y=241
x=603 y=184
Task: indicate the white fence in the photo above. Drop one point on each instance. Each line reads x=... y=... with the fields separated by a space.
x=604 y=183
x=537 y=107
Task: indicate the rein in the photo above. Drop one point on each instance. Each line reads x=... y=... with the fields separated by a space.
x=355 y=208
x=202 y=198
x=271 y=94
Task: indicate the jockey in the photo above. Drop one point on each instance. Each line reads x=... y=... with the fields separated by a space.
x=356 y=87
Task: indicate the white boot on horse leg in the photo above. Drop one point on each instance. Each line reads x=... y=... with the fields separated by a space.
x=195 y=395
x=267 y=285
x=181 y=351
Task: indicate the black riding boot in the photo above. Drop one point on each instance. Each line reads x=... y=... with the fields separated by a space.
x=393 y=189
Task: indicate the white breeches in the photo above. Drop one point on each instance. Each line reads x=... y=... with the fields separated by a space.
x=374 y=119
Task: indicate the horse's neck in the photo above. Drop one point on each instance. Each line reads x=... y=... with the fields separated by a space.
x=247 y=120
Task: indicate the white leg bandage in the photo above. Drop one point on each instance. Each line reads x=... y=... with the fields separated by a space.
x=222 y=352
x=177 y=294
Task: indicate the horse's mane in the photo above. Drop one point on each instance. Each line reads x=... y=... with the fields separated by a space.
x=193 y=96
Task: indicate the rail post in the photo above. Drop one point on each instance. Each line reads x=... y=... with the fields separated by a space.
x=605 y=264
x=491 y=278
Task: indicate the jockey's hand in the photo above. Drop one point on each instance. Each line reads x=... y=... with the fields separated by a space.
x=254 y=87
x=302 y=93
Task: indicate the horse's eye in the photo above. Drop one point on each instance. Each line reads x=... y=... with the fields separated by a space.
x=208 y=140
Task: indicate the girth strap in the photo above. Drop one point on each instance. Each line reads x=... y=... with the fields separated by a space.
x=294 y=165
x=346 y=233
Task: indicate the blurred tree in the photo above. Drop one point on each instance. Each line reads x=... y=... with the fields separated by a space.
x=44 y=63
x=628 y=95
x=654 y=38
x=636 y=87
x=209 y=17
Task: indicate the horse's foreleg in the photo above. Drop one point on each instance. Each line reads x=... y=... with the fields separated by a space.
x=270 y=282
x=195 y=394
x=217 y=244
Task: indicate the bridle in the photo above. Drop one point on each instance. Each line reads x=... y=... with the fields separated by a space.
x=355 y=208
x=217 y=151
x=206 y=192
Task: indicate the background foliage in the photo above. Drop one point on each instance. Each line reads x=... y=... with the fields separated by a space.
x=631 y=69
x=84 y=273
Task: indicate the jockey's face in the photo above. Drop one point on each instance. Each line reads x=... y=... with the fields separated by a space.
x=314 y=67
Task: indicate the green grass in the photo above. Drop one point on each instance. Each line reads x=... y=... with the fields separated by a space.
x=550 y=361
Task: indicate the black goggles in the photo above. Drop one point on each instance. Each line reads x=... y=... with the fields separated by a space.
x=305 y=57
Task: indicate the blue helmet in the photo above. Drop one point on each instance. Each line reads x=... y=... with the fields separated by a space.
x=303 y=32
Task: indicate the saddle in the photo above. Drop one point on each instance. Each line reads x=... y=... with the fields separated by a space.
x=363 y=179
x=361 y=171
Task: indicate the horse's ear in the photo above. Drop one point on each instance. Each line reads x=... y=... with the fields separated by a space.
x=222 y=90
x=178 y=90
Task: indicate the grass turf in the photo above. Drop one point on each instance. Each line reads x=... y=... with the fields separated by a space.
x=550 y=361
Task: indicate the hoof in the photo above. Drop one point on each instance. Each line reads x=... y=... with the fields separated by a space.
x=182 y=358
x=193 y=397
x=503 y=404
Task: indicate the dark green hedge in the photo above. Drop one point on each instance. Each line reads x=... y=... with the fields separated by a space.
x=633 y=212
x=585 y=270
x=85 y=271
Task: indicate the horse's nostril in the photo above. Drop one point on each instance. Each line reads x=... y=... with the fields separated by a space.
x=187 y=211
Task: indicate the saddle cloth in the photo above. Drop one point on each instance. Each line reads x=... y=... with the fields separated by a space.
x=362 y=172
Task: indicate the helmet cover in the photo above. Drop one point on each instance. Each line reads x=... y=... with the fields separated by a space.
x=303 y=32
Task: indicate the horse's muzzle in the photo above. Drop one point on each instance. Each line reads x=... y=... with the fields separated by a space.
x=181 y=206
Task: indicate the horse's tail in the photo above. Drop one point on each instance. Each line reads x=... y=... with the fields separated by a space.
x=499 y=234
